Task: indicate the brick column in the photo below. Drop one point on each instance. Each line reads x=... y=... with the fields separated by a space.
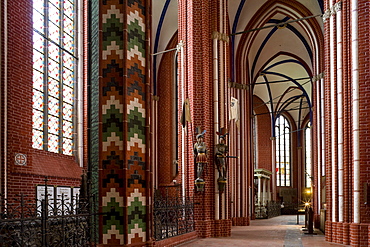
x=346 y=237
x=334 y=229
x=339 y=234
x=328 y=231
x=355 y=234
x=121 y=132
x=197 y=21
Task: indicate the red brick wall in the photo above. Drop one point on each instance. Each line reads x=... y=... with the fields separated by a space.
x=264 y=149
x=165 y=135
x=364 y=76
x=195 y=21
x=328 y=227
x=62 y=169
x=347 y=232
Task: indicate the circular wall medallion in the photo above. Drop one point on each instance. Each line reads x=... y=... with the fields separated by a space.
x=20 y=159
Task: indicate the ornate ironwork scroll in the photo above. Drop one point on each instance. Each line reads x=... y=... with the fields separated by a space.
x=173 y=213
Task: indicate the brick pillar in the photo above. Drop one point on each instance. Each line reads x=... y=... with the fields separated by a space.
x=328 y=231
x=346 y=237
x=316 y=220
x=364 y=234
x=121 y=111
x=197 y=21
x=334 y=230
x=355 y=234
x=339 y=238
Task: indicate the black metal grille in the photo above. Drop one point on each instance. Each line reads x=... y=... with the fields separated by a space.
x=270 y=210
x=273 y=209
x=173 y=213
x=61 y=222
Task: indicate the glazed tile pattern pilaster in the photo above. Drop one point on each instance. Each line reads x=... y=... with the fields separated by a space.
x=123 y=119
x=136 y=114
x=112 y=148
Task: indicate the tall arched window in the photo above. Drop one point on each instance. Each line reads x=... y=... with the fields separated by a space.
x=54 y=73
x=255 y=144
x=283 y=146
x=307 y=153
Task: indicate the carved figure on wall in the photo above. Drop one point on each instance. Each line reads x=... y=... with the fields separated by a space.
x=200 y=153
x=221 y=151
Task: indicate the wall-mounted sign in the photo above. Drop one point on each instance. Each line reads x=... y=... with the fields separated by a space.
x=60 y=198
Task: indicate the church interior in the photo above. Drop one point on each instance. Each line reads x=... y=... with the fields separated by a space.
x=152 y=123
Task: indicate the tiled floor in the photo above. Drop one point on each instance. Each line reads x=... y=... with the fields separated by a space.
x=282 y=231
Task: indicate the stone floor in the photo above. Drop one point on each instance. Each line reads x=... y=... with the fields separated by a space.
x=280 y=231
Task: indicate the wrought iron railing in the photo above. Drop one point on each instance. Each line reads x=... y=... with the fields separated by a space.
x=270 y=210
x=273 y=209
x=46 y=222
x=173 y=213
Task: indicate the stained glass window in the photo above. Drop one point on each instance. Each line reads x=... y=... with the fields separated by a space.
x=54 y=73
x=308 y=166
x=282 y=132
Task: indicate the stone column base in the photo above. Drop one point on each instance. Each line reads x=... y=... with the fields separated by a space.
x=213 y=228
x=240 y=221
x=328 y=231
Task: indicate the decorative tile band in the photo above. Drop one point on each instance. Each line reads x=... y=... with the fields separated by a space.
x=136 y=114
x=136 y=216
x=112 y=191
x=122 y=122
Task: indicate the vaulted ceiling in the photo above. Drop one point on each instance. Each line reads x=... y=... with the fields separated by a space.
x=277 y=42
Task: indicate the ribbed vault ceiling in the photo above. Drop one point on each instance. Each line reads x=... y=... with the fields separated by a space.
x=280 y=60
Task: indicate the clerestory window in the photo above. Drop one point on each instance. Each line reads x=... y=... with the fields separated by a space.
x=54 y=73
x=308 y=165
x=283 y=151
